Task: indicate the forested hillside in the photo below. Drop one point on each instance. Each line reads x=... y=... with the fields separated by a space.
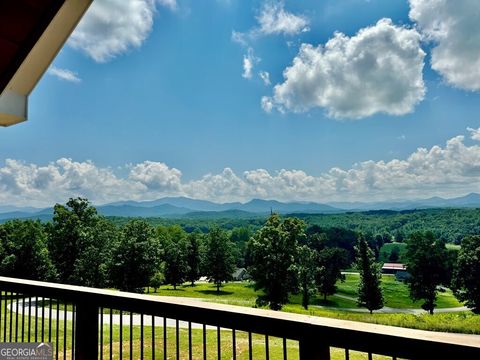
x=449 y=224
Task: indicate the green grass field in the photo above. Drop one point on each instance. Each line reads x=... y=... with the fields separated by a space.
x=243 y=294
x=396 y=296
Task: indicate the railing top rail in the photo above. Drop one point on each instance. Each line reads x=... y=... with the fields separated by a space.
x=335 y=332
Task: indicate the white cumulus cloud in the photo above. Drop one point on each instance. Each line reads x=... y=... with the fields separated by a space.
x=64 y=74
x=113 y=27
x=274 y=19
x=379 y=70
x=265 y=76
x=474 y=133
x=156 y=176
x=449 y=170
x=249 y=61
x=454 y=27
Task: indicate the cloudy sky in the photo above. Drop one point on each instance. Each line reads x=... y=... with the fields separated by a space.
x=231 y=100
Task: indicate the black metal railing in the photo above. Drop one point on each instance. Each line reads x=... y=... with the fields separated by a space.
x=86 y=323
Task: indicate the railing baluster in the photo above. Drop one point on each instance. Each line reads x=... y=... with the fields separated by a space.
x=190 y=355
x=131 y=335
x=284 y=348
x=153 y=337
x=1 y=295
x=267 y=348
x=43 y=319
x=49 y=320
x=347 y=354
x=370 y=356
x=164 y=337
x=177 y=338
x=141 y=336
x=16 y=317
x=121 y=336
x=10 y=324
x=111 y=334
x=234 y=345
x=57 y=339
x=219 y=344
x=204 y=342
x=250 y=353
x=65 y=330
x=74 y=328
x=36 y=318
x=101 y=333
x=23 y=318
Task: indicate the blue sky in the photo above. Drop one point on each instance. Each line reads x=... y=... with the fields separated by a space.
x=154 y=98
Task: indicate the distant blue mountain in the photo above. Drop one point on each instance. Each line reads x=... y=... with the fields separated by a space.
x=140 y=211
x=185 y=207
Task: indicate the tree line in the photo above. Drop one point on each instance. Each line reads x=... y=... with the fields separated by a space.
x=81 y=247
x=283 y=256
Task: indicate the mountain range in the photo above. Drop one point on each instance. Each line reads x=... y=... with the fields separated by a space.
x=185 y=207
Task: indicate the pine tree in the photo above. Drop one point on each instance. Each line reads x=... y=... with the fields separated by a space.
x=194 y=257
x=369 y=290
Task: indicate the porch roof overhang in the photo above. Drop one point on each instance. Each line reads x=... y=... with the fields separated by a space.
x=32 y=32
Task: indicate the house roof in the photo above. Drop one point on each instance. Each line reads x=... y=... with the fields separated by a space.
x=394 y=266
x=32 y=32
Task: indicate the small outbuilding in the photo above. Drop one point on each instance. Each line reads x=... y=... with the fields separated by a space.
x=399 y=270
x=240 y=274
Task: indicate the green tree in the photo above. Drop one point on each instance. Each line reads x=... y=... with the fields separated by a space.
x=240 y=236
x=157 y=280
x=466 y=278
x=219 y=262
x=273 y=254
x=175 y=261
x=369 y=290
x=394 y=254
x=91 y=268
x=306 y=265
x=330 y=262
x=426 y=261
x=23 y=244
x=136 y=257
x=80 y=243
x=194 y=257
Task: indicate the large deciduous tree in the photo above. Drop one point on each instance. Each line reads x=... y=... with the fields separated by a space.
x=219 y=260
x=174 y=257
x=426 y=263
x=24 y=253
x=466 y=279
x=273 y=251
x=330 y=262
x=306 y=266
x=79 y=243
x=369 y=289
x=136 y=257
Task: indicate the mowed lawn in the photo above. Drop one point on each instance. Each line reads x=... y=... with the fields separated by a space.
x=242 y=293
x=396 y=295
